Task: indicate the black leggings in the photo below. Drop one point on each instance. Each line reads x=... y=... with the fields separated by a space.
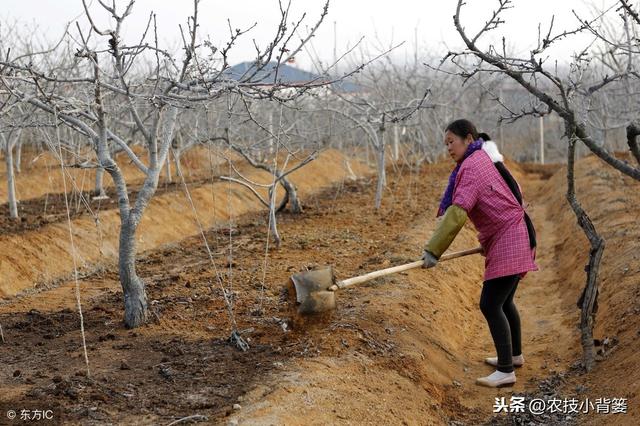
x=496 y=303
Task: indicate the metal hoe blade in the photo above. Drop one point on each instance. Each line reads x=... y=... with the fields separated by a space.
x=312 y=295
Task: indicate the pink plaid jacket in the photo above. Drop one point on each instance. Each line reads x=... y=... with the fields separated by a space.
x=497 y=216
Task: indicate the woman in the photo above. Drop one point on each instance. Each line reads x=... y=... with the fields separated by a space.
x=481 y=188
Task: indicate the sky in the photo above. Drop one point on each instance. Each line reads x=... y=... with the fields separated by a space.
x=382 y=23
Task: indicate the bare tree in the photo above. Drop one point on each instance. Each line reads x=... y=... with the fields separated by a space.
x=10 y=137
x=108 y=95
x=374 y=106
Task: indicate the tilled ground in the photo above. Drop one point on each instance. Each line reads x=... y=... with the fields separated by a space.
x=404 y=348
x=183 y=363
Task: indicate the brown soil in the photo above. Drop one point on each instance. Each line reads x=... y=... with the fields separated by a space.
x=52 y=208
x=401 y=349
x=41 y=172
x=36 y=258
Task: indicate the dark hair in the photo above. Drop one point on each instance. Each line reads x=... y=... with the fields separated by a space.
x=485 y=137
x=462 y=128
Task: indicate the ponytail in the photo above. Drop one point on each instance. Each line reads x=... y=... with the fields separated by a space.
x=485 y=137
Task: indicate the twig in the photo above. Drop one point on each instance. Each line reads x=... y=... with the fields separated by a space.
x=194 y=418
x=246 y=185
x=229 y=304
x=73 y=252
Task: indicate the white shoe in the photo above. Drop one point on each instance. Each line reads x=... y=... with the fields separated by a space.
x=518 y=361
x=497 y=379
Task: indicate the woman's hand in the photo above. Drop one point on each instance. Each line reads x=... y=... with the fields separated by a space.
x=429 y=260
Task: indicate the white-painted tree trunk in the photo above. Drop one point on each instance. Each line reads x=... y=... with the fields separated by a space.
x=168 y=169
x=18 y=159
x=541 y=140
x=11 y=184
x=272 y=140
x=396 y=143
x=273 y=224
x=9 y=142
x=382 y=175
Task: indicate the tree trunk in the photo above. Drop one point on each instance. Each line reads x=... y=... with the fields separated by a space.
x=633 y=130
x=98 y=190
x=294 y=202
x=272 y=216
x=380 y=148
x=18 y=162
x=541 y=140
x=135 y=297
x=381 y=175
x=588 y=300
x=272 y=141
x=176 y=158
x=168 y=167
x=11 y=184
x=396 y=143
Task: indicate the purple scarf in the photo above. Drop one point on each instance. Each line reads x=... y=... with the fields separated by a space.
x=447 y=198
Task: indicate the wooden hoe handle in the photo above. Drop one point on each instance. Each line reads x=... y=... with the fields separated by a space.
x=381 y=273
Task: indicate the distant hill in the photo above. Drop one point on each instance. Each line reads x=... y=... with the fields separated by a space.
x=287 y=74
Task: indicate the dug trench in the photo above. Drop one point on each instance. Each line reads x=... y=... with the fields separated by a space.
x=402 y=349
x=36 y=213
x=42 y=200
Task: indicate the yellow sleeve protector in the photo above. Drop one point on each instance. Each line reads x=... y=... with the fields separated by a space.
x=452 y=221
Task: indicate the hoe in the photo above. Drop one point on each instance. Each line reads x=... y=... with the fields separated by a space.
x=315 y=290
